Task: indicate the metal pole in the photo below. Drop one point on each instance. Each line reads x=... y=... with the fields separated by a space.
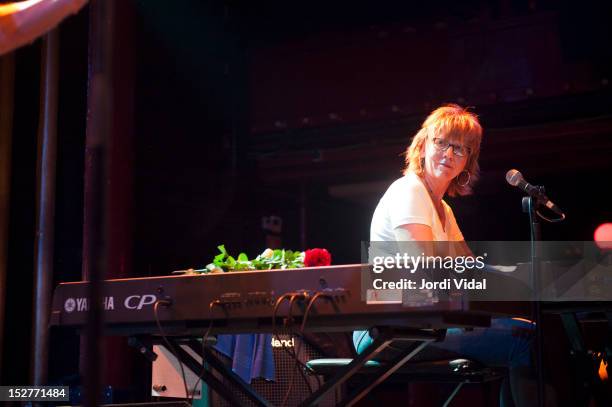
x=536 y=236
x=7 y=76
x=99 y=125
x=45 y=207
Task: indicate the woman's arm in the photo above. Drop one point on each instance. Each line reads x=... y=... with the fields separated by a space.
x=421 y=235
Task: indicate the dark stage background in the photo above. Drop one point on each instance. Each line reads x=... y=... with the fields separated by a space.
x=228 y=112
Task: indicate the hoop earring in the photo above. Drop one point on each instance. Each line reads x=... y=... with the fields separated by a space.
x=467 y=181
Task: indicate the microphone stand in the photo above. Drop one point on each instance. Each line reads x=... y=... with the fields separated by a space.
x=529 y=207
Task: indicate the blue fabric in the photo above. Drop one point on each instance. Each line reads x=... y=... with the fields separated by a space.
x=507 y=342
x=251 y=355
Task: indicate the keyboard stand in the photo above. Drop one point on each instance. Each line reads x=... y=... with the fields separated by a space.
x=212 y=361
x=383 y=338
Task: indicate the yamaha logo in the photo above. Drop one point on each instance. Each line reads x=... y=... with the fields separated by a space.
x=70 y=305
x=82 y=304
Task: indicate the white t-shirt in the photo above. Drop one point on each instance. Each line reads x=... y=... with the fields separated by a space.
x=407 y=201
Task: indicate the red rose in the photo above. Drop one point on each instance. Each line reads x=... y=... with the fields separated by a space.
x=317 y=257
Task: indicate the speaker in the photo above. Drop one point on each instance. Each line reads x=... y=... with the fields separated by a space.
x=283 y=347
x=151 y=404
x=167 y=377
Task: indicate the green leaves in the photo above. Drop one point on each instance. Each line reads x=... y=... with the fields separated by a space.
x=269 y=259
x=220 y=258
x=279 y=259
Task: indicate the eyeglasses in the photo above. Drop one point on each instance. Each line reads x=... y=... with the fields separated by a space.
x=458 y=149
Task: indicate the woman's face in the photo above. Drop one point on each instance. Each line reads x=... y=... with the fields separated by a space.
x=445 y=158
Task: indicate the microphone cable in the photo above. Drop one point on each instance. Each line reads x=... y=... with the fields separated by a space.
x=211 y=306
x=304 y=367
x=171 y=348
x=292 y=297
x=293 y=353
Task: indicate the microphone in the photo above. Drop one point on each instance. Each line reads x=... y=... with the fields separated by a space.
x=515 y=178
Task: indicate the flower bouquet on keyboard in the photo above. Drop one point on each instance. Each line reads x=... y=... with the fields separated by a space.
x=268 y=260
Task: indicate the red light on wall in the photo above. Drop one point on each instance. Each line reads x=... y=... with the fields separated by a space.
x=603 y=236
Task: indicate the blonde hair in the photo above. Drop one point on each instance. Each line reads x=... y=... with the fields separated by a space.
x=459 y=124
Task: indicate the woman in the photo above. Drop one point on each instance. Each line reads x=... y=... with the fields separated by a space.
x=443 y=159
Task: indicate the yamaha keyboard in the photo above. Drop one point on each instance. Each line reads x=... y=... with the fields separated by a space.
x=329 y=298
x=236 y=302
